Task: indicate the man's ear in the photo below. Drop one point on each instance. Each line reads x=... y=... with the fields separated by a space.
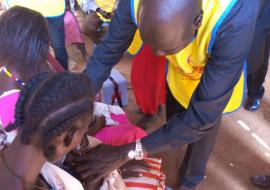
x=69 y=136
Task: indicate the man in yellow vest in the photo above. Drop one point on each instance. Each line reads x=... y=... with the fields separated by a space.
x=54 y=11
x=206 y=43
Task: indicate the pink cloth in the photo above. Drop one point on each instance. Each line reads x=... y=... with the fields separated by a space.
x=7 y=107
x=72 y=29
x=121 y=134
x=9 y=99
x=56 y=66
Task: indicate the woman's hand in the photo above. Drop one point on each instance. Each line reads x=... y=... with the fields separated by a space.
x=100 y=122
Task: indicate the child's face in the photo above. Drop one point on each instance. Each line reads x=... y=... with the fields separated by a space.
x=81 y=127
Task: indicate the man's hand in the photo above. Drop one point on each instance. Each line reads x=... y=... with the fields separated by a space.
x=105 y=14
x=129 y=169
x=100 y=161
x=100 y=122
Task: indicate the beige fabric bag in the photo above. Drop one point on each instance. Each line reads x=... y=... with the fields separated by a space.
x=113 y=182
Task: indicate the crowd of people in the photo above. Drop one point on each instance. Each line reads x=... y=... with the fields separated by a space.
x=50 y=117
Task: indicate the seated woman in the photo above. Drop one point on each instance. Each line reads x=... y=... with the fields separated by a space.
x=24 y=46
x=52 y=115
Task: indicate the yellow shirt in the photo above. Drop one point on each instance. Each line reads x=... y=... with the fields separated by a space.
x=106 y=5
x=48 y=8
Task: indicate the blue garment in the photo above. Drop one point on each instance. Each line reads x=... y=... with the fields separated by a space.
x=259 y=54
x=57 y=34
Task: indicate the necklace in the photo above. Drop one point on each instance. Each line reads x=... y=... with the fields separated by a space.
x=13 y=77
x=2 y=162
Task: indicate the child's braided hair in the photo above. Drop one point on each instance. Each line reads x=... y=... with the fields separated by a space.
x=50 y=104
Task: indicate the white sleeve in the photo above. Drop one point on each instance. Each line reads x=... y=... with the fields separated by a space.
x=88 y=5
x=92 y=5
x=5 y=4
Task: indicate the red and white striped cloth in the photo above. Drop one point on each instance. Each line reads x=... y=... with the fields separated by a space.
x=153 y=179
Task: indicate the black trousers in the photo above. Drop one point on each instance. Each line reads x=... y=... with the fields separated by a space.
x=259 y=59
x=259 y=55
x=193 y=167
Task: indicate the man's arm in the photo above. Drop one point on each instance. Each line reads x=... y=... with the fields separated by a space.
x=222 y=72
x=110 y=50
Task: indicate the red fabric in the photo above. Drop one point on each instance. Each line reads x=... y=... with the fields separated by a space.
x=141 y=185
x=55 y=64
x=148 y=80
x=152 y=178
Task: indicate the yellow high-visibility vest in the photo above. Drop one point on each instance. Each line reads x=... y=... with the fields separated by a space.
x=186 y=67
x=48 y=8
x=106 y=5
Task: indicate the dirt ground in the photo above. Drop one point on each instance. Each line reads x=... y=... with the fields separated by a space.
x=242 y=148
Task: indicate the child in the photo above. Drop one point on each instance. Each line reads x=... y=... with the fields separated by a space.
x=52 y=115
